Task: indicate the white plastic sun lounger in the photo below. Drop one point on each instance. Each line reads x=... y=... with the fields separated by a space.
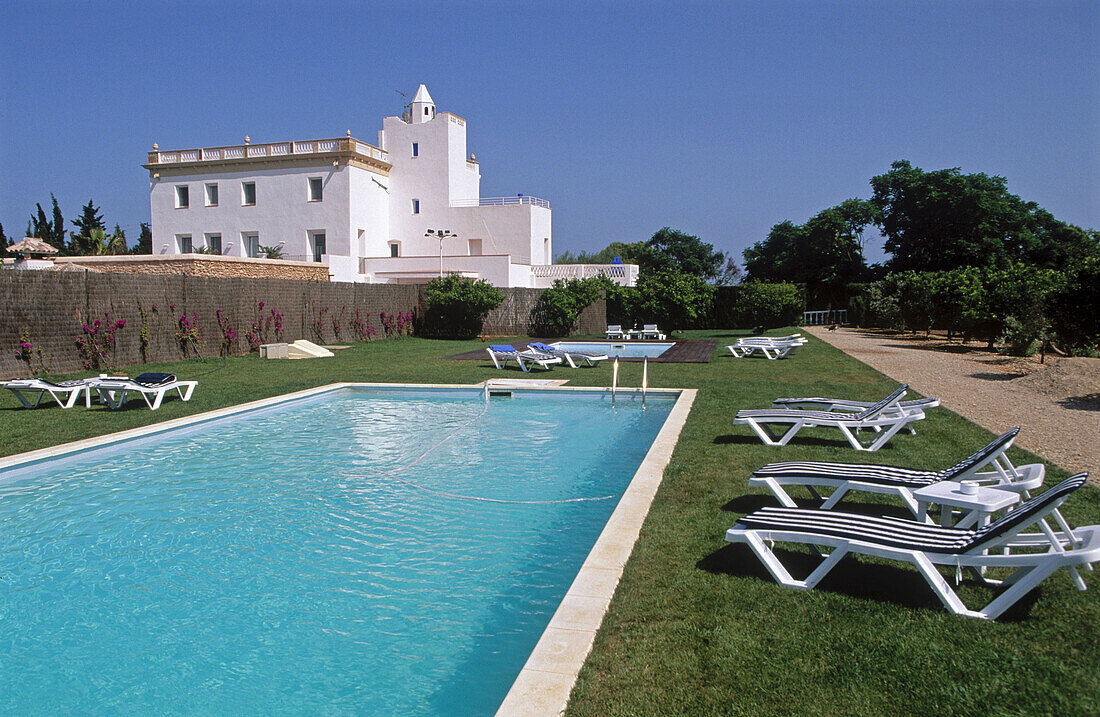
x=841 y=478
x=840 y=404
x=926 y=546
x=503 y=353
x=66 y=393
x=575 y=359
x=152 y=387
x=771 y=348
x=615 y=331
x=650 y=331
x=878 y=417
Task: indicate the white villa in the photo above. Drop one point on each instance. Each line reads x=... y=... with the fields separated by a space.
x=370 y=213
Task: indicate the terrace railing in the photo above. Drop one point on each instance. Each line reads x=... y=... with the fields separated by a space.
x=268 y=149
x=501 y=201
x=623 y=274
x=829 y=316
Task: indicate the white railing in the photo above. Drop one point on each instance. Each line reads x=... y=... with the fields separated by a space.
x=818 y=318
x=501 y=201
x=270 y=149
x=623 y=274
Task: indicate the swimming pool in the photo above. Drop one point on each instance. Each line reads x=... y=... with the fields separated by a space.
x=365 y=550
x=622 y=349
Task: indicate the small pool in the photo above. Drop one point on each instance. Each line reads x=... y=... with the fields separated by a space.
x=370 y=551
x=622 y=349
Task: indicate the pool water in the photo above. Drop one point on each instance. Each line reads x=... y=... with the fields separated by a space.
x=367 y=551
x=622 y=349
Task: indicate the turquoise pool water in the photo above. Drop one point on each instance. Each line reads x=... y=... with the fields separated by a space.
x=365 y=551
x=622 y=349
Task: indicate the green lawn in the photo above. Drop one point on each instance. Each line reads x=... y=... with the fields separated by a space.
x=698 y=627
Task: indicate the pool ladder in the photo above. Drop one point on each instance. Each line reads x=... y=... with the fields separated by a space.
x=615 y=378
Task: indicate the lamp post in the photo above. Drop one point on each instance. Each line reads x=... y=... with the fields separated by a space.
x=440 y=234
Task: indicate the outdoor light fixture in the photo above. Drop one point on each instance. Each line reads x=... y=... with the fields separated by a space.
x=440 y=234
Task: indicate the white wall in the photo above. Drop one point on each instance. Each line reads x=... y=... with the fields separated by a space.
x=282 y=211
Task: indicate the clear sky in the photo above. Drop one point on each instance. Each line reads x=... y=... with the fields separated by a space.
x=716 y=118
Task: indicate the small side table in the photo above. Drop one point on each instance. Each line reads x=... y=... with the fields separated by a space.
x=976 y=508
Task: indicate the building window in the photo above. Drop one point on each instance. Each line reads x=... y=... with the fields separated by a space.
x=183 y=198
x=318 y=241
x=248 y=193
x=214 y=243
x=251 y=244
x=425 y=111
x=395 y=248
x=212 y=195
x=416 y=206
x=316 y=189
x=475 y=247
x=183 y=241
x=416 y=149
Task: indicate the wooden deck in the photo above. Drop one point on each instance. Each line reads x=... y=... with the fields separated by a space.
x=683 y=351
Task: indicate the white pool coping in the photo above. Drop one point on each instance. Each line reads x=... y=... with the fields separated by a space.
x=546 y=680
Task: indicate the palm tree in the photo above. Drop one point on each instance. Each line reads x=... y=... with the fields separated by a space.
x=99 y=244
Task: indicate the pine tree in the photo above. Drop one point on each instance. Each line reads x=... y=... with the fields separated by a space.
x=89 y=219
x=144 y=243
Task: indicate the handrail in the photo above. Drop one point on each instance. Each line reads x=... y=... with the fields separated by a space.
x=268 y=149
x=501 y=201
x=645 y=377
x=614 y=378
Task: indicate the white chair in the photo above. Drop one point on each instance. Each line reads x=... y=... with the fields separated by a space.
x=841 y=478
x=615 y=332
x=152 y=387
x=1001 y=544
x=650 y=331
x=575 y=359
x=882 y=417
x=65 y=393
x=503 y=353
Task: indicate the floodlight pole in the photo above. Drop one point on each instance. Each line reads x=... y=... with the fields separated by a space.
x=440 y=234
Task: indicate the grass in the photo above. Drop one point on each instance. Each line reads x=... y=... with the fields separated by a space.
x=697 y=627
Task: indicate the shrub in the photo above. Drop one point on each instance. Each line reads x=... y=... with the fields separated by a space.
x=757 y=303
x=1074 y=310
x=557 y=308
x=456 y=307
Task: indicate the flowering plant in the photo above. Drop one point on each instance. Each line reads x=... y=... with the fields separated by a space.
x=229 y=334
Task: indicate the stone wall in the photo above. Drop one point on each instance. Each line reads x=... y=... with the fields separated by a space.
x=53 y=307
x=211 y=265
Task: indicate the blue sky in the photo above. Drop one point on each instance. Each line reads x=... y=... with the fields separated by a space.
x=716 y=118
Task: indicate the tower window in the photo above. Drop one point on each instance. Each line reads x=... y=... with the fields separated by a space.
x=416 y=149
x=395 y=249
x=425 y=111
x=248 y=193
x=416 y=206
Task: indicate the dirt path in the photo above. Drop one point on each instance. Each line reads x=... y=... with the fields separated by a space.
x=1057 y=403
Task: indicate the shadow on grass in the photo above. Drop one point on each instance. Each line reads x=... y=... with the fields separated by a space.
x=855 y=577
x=755 y=501
x=753 y=440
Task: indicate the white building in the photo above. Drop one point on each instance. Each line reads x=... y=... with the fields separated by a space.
x=371 y=213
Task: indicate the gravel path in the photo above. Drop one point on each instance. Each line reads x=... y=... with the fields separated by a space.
x=1057 y=403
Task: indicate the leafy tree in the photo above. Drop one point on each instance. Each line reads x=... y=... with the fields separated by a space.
x=674 y=299
x=729 y=274
x=672 y=250
x=945 y=219
x=825 y=253
x=1074 y=309
x=758 y=303
x=144 y=243
x=627 y=253
x=99 y=244
x=89 y=220
x=456 y=307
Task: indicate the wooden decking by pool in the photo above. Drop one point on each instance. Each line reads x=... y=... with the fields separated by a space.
x=682 y=351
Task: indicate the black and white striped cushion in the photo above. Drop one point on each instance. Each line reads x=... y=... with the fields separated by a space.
x=782 y=416
x=152 y=380
x=1026 y=512
x=885 y=475
x=880 y=474
x=903 y=533
x=875 y=409
x=983 y=455
x=890 y=532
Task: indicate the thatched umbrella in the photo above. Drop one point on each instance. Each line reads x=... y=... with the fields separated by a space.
x=31 y=246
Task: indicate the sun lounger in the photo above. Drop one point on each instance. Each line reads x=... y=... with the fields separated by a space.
x=650 y=331
x=771 y=348
x=615 y=331
x=1001 y=544
x=66 y=393
x=840 y=404
x=152 y=387
x=841 y=478
x=503 y=353
x=880 y=417
x=573 y=358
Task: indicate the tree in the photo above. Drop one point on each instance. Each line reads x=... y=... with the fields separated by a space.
x=825 y=253
x=99 y=244
x=4 y=241
x=51 y=231
x=144 y=243
x=89 y=219
x=945 y=219
x=672 y=250
x=626 y=253
x=456 y=307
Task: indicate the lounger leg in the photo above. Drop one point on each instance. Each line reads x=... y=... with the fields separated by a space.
x=1023 y=581
x=837 y=495
x=940 y=586
x=185 y=392
x=781 y=574
x=777 y=490
x=766 y=435
x=522 y=365
x=23 y=399
x=159 y=396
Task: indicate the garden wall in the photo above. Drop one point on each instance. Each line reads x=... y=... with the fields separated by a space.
x=52 y=307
